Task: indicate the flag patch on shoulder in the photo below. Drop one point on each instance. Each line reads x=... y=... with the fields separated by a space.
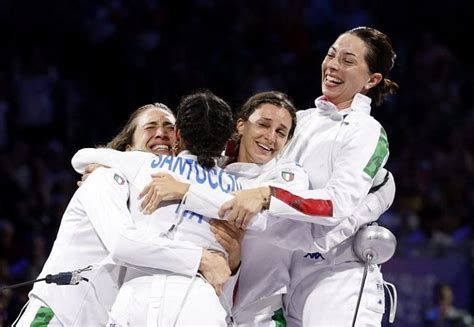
x=287 y=176
x=119 y=179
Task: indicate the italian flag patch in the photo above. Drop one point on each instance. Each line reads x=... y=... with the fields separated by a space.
x=287 y=176
x=119 y=179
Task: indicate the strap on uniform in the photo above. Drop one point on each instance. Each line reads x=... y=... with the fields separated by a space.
x=393 y=300
x=155 y=299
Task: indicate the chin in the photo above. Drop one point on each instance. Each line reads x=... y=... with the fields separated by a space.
x=262 y=161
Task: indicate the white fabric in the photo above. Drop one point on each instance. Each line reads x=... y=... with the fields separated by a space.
x=263 y=274
x=93 y=226
x=184 y=224
x=261 y=258
x=335 y=150
x=30 y=312
x=171 y=298
x=329 y=297
x=138 y=166
x=249 y=175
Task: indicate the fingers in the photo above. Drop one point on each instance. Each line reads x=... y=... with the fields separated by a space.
x=83 y=178
x=144 y=192
x=146 y=195
x=153 y=199
x=224 y=207
x=238 y=221
x=227 y=240
x=153 y=204
x=91 y=167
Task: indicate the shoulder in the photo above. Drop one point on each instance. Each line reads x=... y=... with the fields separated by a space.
x=106 y=175
x=288 y=174
x=363 y=123
x=302 y=114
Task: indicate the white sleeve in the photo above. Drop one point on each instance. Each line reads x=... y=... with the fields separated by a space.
x=371 y=208
x=289 y=175
x=104 y=198
x=325 y=238
x=128 y=162
x=207 y=202
x=363 y=153
x=308 y=237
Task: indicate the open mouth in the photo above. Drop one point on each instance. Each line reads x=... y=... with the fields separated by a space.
x=264 y=147
x=332 y=81
x=160 y=147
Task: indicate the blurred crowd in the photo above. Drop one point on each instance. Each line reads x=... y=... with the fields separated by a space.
x=71 y=72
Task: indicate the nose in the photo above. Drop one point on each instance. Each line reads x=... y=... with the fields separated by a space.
x=332 y=63
x=270 y=135
x=161 y=132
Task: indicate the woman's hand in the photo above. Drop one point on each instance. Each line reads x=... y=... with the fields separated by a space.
x=230 y=237
x=163 y=187
x=245 y=205
x=89 y=169
x=215 y=269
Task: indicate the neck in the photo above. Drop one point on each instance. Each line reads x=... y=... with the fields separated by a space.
x=343 y=105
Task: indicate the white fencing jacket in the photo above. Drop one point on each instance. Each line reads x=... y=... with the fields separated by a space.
x=261 y=257
x=268 y=253
x=341 y=152
x=97 y=227
x=137 y=167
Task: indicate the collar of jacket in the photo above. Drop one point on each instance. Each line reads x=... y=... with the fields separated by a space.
x=360 y=103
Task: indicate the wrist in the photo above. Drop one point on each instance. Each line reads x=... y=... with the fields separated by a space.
x=182 y=190
x=265 y=193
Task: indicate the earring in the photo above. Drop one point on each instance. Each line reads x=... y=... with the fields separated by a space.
x=175 y=148
x=232 y=145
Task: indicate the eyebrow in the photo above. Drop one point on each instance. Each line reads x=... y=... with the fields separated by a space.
x=346 y=53
x=156 y=123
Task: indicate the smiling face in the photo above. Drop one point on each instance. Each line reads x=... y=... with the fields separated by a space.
x=263 y=134
x=345 y=71
x=154 y=131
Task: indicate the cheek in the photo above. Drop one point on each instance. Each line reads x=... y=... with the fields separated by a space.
x=280 y=143
x=146 y=136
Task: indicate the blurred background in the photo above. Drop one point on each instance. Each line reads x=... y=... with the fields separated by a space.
x=72 y=71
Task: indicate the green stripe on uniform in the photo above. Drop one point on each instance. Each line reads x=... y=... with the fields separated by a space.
x=43 y=317
x=279 y=318
x=381 y=151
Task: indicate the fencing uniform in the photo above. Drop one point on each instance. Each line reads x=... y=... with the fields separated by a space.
x=264 y=270
x=96 y=228
x=167 y=298
x=266 y=256
x=341 y=151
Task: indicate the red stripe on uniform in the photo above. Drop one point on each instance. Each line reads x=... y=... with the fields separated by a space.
x=311 y=207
